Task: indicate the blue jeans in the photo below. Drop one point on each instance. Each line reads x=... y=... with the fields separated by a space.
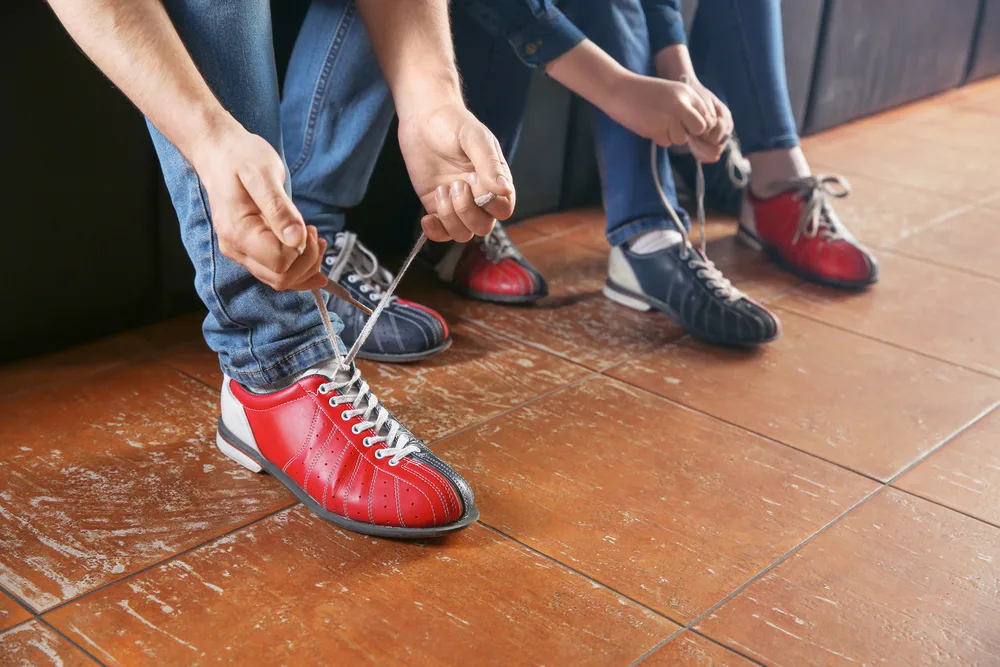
x=737 y=49
x=263 y=336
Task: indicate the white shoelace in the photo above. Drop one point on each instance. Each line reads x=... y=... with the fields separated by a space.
x=818 y=217
x=697 y=259
x=362 y=267
x=497 y=245
x=399 y=442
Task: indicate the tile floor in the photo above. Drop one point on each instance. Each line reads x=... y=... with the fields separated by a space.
x=833 y=499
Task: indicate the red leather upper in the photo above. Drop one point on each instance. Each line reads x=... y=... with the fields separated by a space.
x=777 y=221
x=506 y=277
x=297 y=429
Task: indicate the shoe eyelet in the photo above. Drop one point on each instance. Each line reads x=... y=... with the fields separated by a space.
x=328 y=261
x=331 y=403
x=367 y=443
x=343 y=415
x=378 y=454
x=352 y=278
x=354 y=430
x=321 y=391
x=393 y=462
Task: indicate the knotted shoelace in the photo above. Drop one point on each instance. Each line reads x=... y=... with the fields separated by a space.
x=817 y=216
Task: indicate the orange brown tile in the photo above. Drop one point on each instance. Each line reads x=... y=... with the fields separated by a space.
x=965 y=473
x=113 y=474
x=670 y=507
x=11 y=613
x=862 y=404
x=898 y=581
x=35 y=644
x=293 y=587
x=967 y=242
x=932 y=309
x=689 y=649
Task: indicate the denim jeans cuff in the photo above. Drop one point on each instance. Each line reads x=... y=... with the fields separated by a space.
x=624 y=233
x=770 y=144
x=277 y=374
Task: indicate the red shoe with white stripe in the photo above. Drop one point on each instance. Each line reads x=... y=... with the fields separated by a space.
x=799 y=230
x=491 y=268
x=328 y=439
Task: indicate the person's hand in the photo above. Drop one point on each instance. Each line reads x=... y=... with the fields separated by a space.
x=668 y=112
x=709 y=146
x=255 y=220
x=452 y=158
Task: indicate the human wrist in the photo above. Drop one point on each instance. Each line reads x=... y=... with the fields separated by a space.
x=674 y=64
x=422 y=94
x=207 y=135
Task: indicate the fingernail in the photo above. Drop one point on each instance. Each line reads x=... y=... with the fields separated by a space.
x=442 y=193
x=456 y=188
x=474 y=178
x=293 y=234
x=502 y=181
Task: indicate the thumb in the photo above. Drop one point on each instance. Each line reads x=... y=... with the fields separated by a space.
x=694 y=116
x=483 y=150
x=276 y=207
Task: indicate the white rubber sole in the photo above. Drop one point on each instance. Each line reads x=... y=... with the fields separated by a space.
x=236 y=454
x=625 y=299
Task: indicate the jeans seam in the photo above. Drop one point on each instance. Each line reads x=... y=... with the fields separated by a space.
x=215 y=292
x=319 y=92
x=750 y=73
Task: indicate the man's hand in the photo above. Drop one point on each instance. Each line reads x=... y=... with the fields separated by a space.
x=452 y=158
x=255 y=221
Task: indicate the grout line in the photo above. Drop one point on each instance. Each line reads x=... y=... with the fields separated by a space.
x=968 y=425
x=476 y=425
x=166 y=560
x=934 y=262
x=17 y=625
x=72 y=641
x=18 y=600
x=728 y=648
x=586 y=576
x=940 y=503
x=886 y=342
x=691 y=625
x=746 y=429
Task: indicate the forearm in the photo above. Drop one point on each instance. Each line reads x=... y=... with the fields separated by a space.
x=135 y=44
x=674 y=63
x=412 y=41
x=590 y=73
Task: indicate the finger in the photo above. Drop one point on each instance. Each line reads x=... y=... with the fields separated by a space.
x=309 y=262
x=483 y=150
x=475 y=219
x=433 y=228
x=500 y=208
x=726 y=118
x=693 y=116
x=716 y=134
x=260 y=243
x=267 y=190
x=449 y=219
x=705 y=151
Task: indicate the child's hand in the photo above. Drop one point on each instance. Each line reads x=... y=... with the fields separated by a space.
x=668 y=112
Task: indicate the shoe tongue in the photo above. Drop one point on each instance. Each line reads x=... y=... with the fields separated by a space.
x=331 y=371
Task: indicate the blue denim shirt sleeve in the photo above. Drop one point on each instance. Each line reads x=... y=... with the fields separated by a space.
x=666 y=23
x=536 y=29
